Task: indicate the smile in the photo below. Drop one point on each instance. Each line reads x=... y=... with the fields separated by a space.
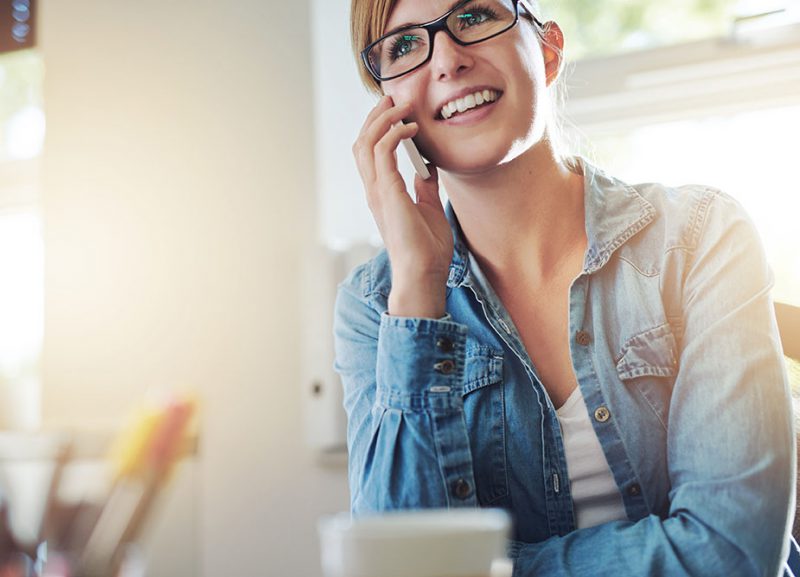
x=468 y=102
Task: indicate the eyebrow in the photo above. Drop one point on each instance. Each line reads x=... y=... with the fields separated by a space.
x=415 y=24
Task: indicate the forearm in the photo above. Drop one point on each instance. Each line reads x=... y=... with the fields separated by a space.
x=407 y=438
x=679 y=546
x=419 y=296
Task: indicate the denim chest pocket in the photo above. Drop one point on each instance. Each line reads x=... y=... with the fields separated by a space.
x=648 y=362
x=484 y=413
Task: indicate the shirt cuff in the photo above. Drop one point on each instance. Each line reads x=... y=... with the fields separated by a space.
x=420 y=362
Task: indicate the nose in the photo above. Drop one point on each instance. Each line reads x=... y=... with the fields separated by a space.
x=449 y=59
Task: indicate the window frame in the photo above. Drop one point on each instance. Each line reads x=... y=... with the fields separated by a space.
x=745 y=71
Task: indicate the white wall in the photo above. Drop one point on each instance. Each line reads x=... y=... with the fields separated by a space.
x=178 y=200
x=341 y=104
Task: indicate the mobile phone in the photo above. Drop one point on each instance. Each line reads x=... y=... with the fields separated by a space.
x=416 y=158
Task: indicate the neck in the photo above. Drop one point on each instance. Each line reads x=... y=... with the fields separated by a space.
x=523 y=217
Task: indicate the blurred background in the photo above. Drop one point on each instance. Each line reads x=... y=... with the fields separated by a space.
x=178 y=202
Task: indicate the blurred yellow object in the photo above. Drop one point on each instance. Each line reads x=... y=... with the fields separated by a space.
x=143 y=457
x=129 y=450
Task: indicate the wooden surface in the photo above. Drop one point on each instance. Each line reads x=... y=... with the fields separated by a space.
x=789 y=326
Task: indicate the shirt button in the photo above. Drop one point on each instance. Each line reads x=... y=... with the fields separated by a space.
x=445 y=345
x=445 y=367
x=462 y=489
x=634 y=490
x=583 y=338
x=602 y=414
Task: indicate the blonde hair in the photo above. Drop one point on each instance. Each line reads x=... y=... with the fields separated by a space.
x=368 y=20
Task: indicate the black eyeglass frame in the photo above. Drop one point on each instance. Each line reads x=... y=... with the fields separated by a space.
x=435 y=26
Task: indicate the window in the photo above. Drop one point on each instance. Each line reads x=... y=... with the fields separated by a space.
x=21 y=250
x=21 y=112
x=598 y=28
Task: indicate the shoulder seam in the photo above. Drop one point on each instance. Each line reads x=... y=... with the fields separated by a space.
x=698 y=218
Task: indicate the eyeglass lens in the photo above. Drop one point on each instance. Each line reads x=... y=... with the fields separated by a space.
x=471 y=22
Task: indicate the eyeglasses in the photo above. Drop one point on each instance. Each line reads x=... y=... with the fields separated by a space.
x=469 y=22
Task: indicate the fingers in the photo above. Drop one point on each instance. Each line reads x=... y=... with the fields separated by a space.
x=385 y=121
x=385 y=157
x=383 y=104
x=379 y=121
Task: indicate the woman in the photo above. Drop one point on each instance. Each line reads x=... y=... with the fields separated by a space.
x=599 y=359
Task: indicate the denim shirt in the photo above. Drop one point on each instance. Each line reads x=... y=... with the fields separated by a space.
x=675 y=348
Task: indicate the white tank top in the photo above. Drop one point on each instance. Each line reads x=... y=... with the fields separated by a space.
x=595 y=495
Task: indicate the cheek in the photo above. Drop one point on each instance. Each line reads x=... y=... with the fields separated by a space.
x=400 y=92
x=405 y=89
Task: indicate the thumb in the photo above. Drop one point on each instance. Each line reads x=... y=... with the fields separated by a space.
x=428 y=189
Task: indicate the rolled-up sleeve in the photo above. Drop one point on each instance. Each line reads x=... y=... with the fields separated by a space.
x=730 y=452
x=403 y=381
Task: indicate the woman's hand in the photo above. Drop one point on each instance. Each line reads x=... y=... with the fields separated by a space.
x=417 y=235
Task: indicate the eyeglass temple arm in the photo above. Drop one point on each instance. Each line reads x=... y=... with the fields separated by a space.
x=529 y=10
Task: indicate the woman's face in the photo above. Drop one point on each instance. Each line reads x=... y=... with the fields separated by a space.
x=511 y=66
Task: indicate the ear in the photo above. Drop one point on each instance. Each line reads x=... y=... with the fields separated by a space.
x=552 y=50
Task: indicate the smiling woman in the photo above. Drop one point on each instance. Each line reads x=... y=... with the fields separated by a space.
x=554 y=342
x=400 y=47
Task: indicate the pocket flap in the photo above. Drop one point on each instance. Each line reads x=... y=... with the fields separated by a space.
x=484 y=367
x=650 y=353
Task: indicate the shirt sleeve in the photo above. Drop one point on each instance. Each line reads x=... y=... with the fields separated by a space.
x=403 y=381
x=730 y=452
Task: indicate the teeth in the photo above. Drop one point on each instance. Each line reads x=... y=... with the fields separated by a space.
x=467 y=102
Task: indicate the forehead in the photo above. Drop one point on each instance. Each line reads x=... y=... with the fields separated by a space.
x=417 y=11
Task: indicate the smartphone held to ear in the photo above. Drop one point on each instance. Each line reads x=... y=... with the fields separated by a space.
x=416 y=158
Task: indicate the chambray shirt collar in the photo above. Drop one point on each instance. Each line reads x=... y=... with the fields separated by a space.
x=614 y=211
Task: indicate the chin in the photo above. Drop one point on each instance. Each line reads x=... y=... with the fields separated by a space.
x=484 y=148
x=467 y=157
x=474 y=166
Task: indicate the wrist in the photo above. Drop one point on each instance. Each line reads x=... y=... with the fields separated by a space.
x=418 y=299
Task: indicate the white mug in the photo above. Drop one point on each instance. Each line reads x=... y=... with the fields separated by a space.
x=423 y=543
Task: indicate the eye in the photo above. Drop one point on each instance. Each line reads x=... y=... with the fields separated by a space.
x=403 y=45
x=475 y=16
